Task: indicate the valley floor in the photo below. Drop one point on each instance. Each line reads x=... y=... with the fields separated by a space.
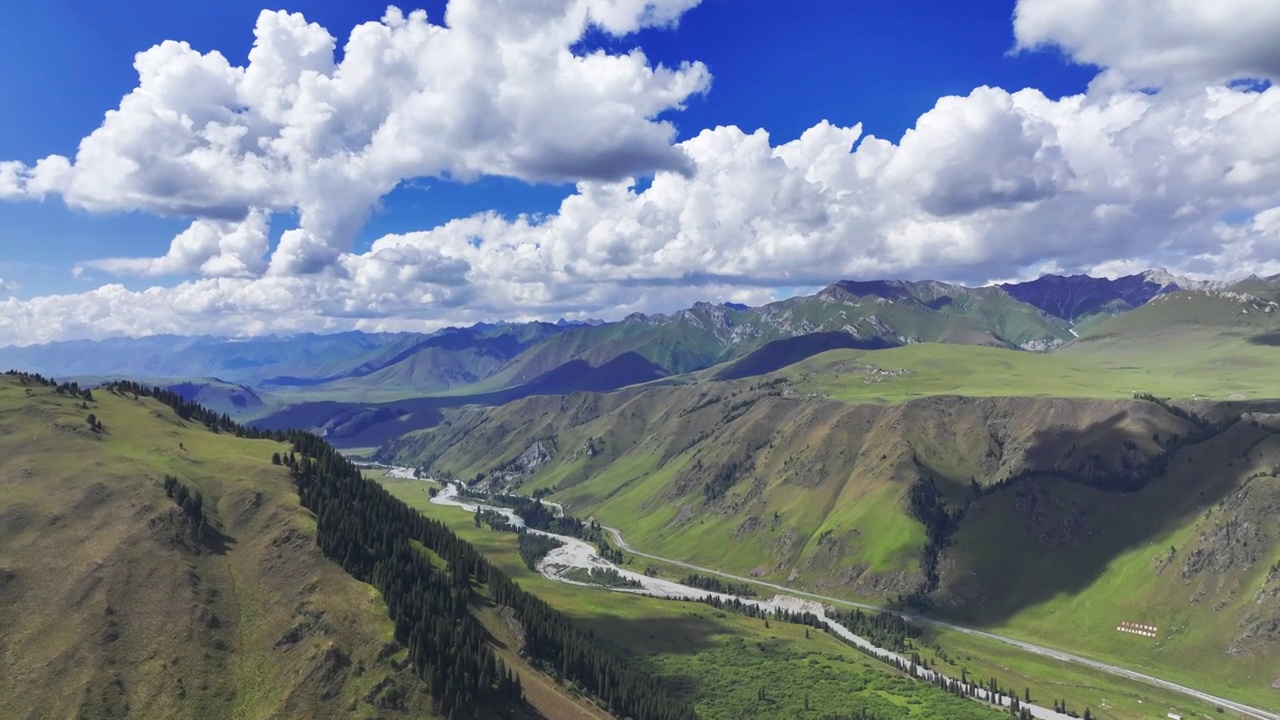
x=583 y=556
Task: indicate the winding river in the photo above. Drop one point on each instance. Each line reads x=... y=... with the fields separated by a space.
x=576 y=553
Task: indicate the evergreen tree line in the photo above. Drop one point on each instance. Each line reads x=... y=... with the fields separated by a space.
x=370 y=534
x=715 y=584
x=606 y=576
x=71 y=388
x=926 y=504
x=887 y=630
x=890 y=631
x=220 y=423
x=494 y=519
x=534 y=547
x=538 y=516
x=192 y=503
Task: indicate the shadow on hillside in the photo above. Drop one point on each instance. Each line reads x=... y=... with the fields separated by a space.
x=1057 y=530
x=349 y=424
x=1271 y=339
x=781 y=353
x=215 y=541
x=645 y=636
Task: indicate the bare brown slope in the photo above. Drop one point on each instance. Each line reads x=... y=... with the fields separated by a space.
x=110 y=606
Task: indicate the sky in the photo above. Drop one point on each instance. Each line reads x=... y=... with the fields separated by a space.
x=223 y=168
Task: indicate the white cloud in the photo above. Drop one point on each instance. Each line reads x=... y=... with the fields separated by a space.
x=984 y=185
x=496 y=92
x=320 y=303
x=989 y=186
x=7 y=288
x=215 y=248
x=1159 y=43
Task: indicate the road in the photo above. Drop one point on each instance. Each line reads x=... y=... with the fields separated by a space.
x=1245 y=710
x=1240 y=708
x=575 y=553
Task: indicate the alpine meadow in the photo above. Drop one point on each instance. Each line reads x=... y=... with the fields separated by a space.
x=640 y=360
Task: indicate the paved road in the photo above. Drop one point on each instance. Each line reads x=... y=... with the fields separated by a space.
x=1245 y=710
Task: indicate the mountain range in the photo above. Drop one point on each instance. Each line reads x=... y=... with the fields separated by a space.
x=347 y=383
x=909 y=444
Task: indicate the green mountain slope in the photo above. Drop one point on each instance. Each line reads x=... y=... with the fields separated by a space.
x=422 y=365
x=1226 y=344
x=931 y=311
x=946 y=502
x=882 y=313
x=113 y=604
x=486 y=359
x=1175 y=312
x=151 y=566
x=1195 y=553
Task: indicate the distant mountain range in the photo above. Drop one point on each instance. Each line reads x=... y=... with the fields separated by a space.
x=1079 y=297
x=498 y=362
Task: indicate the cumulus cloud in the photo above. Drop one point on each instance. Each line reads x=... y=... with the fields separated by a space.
x=215 y=248
x=988 y=186
x=992 y=185
x=983 y=186
x=318 y=303
x=497 y=90
x=1166 y=43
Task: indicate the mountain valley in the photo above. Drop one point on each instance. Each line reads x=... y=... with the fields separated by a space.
x=1042 y=461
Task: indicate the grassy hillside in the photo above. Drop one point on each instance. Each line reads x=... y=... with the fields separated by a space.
x=1196 y=552
x=716 y=660
x=721 y=660
x=922 y=498
x=759 y=478
x=118 y=600
x=1196 y=362
x=110 y=604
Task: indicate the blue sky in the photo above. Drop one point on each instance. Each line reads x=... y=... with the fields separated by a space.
x=882 y=64
x=968 y=142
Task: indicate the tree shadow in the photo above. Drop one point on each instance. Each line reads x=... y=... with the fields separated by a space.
x=639 y=636
x=645 y=636
x=215 y=541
